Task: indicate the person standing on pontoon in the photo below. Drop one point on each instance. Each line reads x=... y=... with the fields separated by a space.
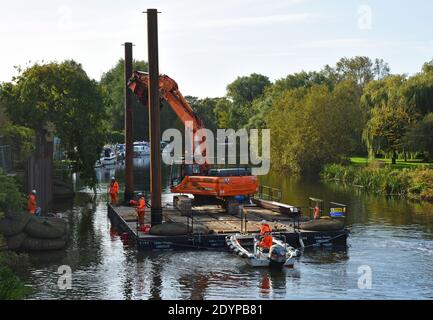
x=113 y=190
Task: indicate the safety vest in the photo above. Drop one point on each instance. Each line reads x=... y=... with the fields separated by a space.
x=266 y=242
x=265 y=228
x=114 y=187
x=31 y=204
x=141 y=204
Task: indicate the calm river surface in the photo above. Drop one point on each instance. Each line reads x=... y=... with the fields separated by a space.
x=393 y=237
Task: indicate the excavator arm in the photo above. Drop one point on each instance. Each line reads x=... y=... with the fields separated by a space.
x=169 y=91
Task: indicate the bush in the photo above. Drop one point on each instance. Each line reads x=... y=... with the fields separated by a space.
x=11 y=287
x=10 y=197
x=414 y=183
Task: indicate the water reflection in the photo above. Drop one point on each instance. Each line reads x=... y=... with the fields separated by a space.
x=392 y=236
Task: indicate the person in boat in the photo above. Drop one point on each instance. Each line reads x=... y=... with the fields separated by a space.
x=140 y=208
x=113 y=190
x=32 y=203
x=266 y=236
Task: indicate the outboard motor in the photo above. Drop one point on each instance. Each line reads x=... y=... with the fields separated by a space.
x=277 y=255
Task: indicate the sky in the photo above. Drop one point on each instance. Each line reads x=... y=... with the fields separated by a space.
x=206 y=44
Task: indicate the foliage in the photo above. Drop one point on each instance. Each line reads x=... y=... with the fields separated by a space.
x=62 y=94
x=420 y=137
x=20 y=138
x=206 y=110
x=387 y=115
x=412 y=183
x=242 y=92
x=11 y=287
x=314 y=126
x=10 y=197
x=112 y=86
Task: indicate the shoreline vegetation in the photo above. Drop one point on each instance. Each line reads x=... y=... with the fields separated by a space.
x=11 y=286
x=414 y=183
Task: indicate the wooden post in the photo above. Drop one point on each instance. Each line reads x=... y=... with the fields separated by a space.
x=40 y=171
x=129 y=131
x=154 y=117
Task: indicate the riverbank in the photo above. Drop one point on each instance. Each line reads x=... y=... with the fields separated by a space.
x=414 y=183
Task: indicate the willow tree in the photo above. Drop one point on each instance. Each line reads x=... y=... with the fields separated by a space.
x=311 y=127
x=59 y=99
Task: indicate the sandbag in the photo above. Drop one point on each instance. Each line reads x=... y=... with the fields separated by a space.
x=15 y=242
x=176 y=229
x=46 y=228
x=33 y=244
x=14 y=223
x=323 y=225
x=169 y=229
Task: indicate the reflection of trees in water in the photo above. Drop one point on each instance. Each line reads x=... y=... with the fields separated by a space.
x=325 y=256
x=85 y=240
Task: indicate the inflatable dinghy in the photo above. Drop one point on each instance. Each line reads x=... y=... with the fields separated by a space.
x=279 y=255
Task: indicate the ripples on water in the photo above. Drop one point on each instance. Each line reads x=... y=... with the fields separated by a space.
x=393 y=237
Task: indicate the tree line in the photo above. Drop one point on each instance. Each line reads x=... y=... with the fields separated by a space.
x=355 y=107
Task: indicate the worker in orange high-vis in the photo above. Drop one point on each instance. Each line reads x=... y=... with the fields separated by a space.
x=113 y=190
x=140 y=208
x=265 y=233
x=31 y=202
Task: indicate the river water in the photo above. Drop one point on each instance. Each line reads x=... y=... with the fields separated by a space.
x=391 y=240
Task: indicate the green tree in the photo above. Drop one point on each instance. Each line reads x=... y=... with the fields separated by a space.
x=206 y=110
x=222 y=113
x=11 y=200
x=112 y=87
x=314 y=126
x=21 y=140
x=420 y=137
x=418 y=91
x=61 y=94
x=389 y=124
x=378 y=95
x=242 y=92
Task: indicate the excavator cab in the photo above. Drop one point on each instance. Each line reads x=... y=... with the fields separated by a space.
x=179 y=170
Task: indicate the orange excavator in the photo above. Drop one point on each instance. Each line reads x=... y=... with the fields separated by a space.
x=205 y=183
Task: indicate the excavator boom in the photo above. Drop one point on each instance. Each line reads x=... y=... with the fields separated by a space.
x=224 y=184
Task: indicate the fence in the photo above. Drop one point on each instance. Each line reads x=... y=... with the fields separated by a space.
x=5 y=157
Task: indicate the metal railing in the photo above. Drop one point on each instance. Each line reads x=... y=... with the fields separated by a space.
x=269 y=193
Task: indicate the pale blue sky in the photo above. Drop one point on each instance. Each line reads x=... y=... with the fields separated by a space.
x=204 y=44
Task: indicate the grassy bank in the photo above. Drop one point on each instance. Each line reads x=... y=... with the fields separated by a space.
x=401 y=164
x=415 y=183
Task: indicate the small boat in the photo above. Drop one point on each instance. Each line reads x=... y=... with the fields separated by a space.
x=109 y=157
x=279 y=255
x=141 y=149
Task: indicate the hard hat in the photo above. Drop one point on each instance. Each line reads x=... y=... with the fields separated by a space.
x=113 y=178
x=264 y=222
x=34 y=191
x=140 y=194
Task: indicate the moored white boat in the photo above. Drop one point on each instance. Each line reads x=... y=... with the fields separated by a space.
x=110 y=157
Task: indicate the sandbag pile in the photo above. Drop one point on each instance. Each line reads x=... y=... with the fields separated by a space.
x=323 y=225
x=29 y=233
x=176 y=229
